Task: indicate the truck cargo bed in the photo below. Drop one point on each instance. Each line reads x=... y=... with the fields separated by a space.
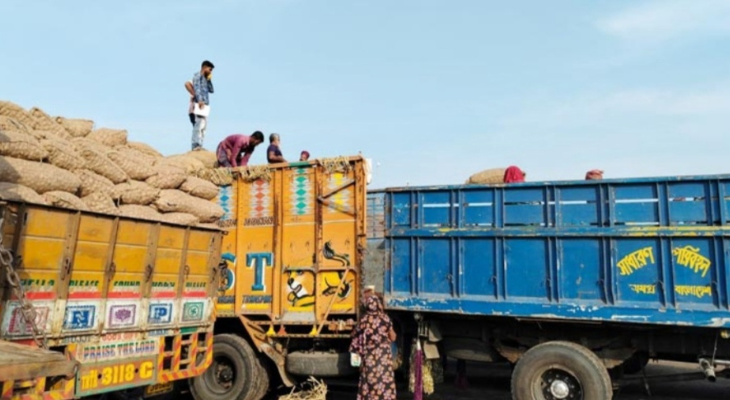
x=632 y=251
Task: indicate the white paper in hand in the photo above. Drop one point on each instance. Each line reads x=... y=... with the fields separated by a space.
x=201 y=112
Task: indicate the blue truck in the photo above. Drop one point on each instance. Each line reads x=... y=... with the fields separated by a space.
x=577 y=284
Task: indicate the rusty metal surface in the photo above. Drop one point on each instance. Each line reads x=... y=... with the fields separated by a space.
x=20 y=362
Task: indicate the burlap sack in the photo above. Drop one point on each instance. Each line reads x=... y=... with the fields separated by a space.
x=65 y=200
x=488 y=176
x=136 y=168
x=7 y=123
x=167 y=177
x=100 y=202
x=199 y=188
x=44 y=122
x=180 y=218
x=134 y=153
x=178 y=201
x=21 y=145
x=63 y=154
x=208 y=158
x=17 y=113
x=40 y=135
x=189 y=164
x=40 y=177
x=15 y=192
x=76 y=127
x=145 y=148
x=140 y=212
x=86 y=143
x=109 y=137
x=135 y=192
x=92 y=182
x=103 y=166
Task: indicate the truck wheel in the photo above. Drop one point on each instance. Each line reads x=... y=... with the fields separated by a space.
x=261 y=386
x=635 y=363
x=560 y=370
x=319 y=364
x=233 y=373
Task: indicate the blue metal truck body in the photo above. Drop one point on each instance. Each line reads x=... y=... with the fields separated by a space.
x=645 y=251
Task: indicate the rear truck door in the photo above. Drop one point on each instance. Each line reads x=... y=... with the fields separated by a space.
x=294 y=244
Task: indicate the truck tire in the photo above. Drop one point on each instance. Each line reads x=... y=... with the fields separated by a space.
x=233 y=374
x=319 y=364
x=560 y=370
x=261 y=386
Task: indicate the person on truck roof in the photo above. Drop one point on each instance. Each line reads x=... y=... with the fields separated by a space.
x=371 y=341
x=202 y=88
x=514 y=174
x=273 y=153
x=304 y=156
x=594 y=175
x=235 y=150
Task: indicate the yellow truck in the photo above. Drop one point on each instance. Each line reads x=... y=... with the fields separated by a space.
x=288 y=297
x=93 y=303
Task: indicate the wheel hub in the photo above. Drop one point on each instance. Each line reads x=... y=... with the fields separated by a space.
x=224 y=374
x=559 y=389
x=558 y=384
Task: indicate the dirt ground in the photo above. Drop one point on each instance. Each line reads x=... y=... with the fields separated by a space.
x=493 y=382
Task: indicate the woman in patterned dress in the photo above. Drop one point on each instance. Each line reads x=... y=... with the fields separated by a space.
x=371 y=340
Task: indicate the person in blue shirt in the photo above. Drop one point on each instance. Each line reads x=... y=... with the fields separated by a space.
x=202 y=88
x=273 y=153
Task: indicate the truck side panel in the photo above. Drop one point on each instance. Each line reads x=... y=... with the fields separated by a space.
x=130 y=300
x=637 y=251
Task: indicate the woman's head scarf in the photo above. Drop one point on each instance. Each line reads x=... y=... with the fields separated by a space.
x=514 y=175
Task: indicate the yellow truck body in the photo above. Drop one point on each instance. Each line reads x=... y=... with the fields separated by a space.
x=129 y=302
x=295 y=239
x=295 y=236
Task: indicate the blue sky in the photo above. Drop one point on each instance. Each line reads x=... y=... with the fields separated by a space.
x=433 y=91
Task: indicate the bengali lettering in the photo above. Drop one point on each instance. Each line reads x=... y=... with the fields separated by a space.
x=696 y=291
x=691 y=258
x=643 y=289
x=636 y=260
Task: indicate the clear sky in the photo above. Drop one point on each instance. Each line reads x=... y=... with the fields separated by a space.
x=432 y=91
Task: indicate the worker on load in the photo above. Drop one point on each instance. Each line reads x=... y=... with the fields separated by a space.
x=273 y=153
x=304 y=156
x=235 y=150
x=594 y=175
x=202 y=88
x=514 y=175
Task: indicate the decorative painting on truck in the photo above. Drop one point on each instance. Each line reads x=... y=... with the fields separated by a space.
x=297 y=241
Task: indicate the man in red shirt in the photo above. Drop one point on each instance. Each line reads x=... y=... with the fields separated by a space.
x=235 y=150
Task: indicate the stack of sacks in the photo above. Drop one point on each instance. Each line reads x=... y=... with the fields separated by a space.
x=67 y=163
x=487 y=177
